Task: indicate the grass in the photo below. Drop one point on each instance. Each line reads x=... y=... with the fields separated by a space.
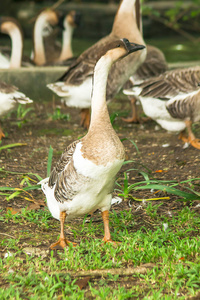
x=173 y=253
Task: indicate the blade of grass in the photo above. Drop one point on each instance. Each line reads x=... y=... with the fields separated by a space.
x=12 y=146
x=49 y=162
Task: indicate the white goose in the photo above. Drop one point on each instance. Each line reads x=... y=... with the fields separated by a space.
x=155 y=64
x=172 y=99
x=76 y=84
x=9 y=98
x=83 y=178
x=11 y=27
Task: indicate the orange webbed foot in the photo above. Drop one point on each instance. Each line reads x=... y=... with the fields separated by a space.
x=61 y=244
x=195 y=143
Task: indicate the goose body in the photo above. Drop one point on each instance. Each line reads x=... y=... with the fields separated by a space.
x=78 y=78
x=172 y=99
x=9 y=98
x=83 y=178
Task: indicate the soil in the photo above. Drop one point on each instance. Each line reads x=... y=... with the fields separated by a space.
x=161 y=156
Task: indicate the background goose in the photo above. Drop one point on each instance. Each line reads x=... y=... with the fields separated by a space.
x=13 y=57
x=155 y=64
x=9 y=98
x=83 y=178
x=70 y=22
x=45 y=18
x=47 y=49
x=76 y=84
x=172 y=100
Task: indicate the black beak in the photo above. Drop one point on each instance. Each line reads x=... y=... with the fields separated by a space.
x=77 y=18
x=132 y=47
x=61 y=17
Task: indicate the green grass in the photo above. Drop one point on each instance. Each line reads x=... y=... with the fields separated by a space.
x=174 y=253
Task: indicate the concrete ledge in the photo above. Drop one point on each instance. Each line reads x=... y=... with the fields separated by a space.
x=32 y=81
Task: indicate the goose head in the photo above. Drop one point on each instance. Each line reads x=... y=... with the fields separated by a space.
x=9 y=26
x=119 y=49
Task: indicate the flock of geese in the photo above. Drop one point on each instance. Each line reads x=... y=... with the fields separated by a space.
x=83 y=179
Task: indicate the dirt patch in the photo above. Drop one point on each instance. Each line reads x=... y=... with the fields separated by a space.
x=161 y=155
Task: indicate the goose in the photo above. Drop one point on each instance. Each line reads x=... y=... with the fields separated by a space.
x=83 y=179
x=47 y=52
x=11 y=58
x=9 y=98
x=172 y=99
x=45 y=18
x=70 y=22
x=11 y=27
x=76 y=83
x=155 y=64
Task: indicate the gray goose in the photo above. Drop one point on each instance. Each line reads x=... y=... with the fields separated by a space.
x=154 y=65
x=172 y=99
x=9 y=98
x=76 y=84
x=84 y=177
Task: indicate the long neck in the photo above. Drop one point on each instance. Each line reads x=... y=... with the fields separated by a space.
x=39 y=51
x=125 y=23
x=99 y=111
x=66 y=51
x=138 y=15
x=17 y=48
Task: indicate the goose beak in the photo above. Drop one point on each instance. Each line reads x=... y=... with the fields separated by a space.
x=132 y=47
x=77 y=18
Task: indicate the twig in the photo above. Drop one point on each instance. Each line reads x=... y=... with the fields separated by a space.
x=58 y=3
x=7 y=235
x=118 y=271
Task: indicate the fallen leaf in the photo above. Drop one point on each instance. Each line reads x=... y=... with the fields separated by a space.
x=13 y=211
x=82 y=283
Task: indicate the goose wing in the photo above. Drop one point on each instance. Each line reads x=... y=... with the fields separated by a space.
x=171 y=83
x=64 y=176
x=83 y=66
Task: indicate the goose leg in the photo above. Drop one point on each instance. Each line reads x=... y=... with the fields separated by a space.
x=191 y=137
x=105 y=216
x=1 y=133
x=62 y=242
x=134 y=115
x=85 y=117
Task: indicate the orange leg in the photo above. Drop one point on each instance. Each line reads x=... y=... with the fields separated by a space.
x=134 y=115
x=191 y=137
x=1 y=133
x=85 y=117
x=105 y=216
x=62 y=242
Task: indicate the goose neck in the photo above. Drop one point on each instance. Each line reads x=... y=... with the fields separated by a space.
x=66 y=51
x=99 y=109
x=17 y=48
x=39 y=52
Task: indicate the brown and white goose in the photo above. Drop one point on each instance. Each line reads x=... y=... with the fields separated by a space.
x=46 y=17
x=172 y=99
x=9 y=98
x=154 y=65
x=48 y=51
x=11 y=58
x=76 y=84
x=84 y=177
